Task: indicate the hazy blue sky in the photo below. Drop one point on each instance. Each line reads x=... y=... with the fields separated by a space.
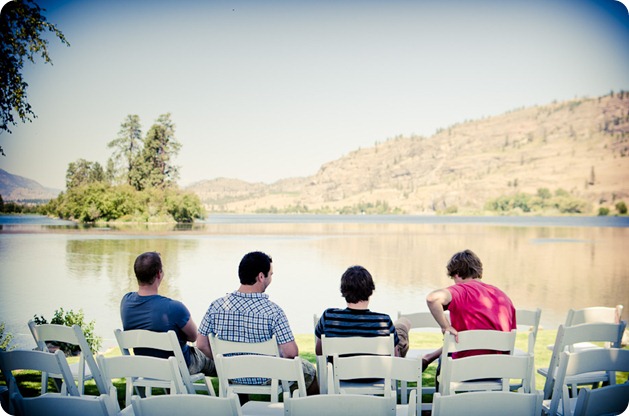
x=263 y=90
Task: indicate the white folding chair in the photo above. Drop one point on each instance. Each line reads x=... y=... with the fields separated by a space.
x=164 y=341
x=487 y=367
x=141 y=371
x=607 y=360
x=488 y=403
x=342 y=346
x=261 y=366
x=55 y=405
x=594 y=314
x=567 y=336
x=85 y=369
x=609 y=400
x=591 y=315
x=528 y=319
x=339 y=405
x=226 y=348
x=186 y=404
x=347 y=370
x=423 y=322
x=45 y=362
x=474 y=340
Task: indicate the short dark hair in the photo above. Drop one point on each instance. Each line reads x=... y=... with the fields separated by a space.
x=466 y=264
x=357 y=284
x=146 y=267
x=251 y=265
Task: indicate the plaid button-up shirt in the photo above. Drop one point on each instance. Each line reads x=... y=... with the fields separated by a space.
x=246 y=317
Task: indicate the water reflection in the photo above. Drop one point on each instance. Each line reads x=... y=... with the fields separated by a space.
x=554 y=268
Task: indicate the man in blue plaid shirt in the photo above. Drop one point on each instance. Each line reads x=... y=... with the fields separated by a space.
x=247 y=315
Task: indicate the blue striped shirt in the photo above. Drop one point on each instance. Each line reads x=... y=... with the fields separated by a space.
x=355 y=323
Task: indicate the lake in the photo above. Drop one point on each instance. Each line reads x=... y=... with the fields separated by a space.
x=554 y=263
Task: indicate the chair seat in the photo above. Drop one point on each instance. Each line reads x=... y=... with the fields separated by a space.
x=348 y=387
x=546 y=406
x=262 y=408
x=583 y=378
x=480 y=385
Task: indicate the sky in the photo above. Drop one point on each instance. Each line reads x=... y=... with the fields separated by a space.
x=266 y=90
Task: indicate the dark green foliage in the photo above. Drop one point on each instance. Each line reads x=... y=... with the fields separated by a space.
x=621 y=207
x=5 y=339
x=603 y=211
x=70 y=318
x=562 y=202
x=83 y=172
x=22 y=27
x=103 y=202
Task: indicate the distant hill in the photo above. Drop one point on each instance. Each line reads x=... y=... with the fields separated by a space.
x=19 y=188
x=581 y=146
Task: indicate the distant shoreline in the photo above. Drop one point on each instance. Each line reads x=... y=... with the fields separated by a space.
x=15 y=221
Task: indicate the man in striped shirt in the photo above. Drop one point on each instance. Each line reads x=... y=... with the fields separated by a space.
x=357 y=320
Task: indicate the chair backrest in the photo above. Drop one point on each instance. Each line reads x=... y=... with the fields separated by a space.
x=226 y=348
x=473 y=340
x=594 y=314
x=530 y=319
x=164 y=341
x=571 y=364
x=186 y=404
x=131 y=367
x=45 y=362
x=391 y=369
x=490 y=366
x=608 y=400
x=56 y=405
x=357 y=345
x=259 y=366
x=70 y=335
x=488 y=403
x=479 y=340
x=339 y=404
x=422 y=320
x=221 y=346
x=570 y=335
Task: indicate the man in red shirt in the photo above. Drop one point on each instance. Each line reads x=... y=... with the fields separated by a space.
x=472 y=303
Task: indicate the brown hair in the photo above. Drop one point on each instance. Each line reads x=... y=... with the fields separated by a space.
x=357 y=284
x=146 y=267
x=466 y=264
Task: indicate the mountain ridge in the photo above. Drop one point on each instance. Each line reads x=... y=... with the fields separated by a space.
x=580 y=145
x=19 y=188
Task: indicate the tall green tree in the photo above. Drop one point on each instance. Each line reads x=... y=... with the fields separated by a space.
x=122 y=165
x=83 y=172
x=156 y=162
x=22 y=26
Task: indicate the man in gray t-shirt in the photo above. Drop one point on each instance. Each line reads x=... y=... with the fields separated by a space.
x=146 y=309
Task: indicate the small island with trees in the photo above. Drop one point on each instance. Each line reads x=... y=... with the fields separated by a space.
x=139 y=183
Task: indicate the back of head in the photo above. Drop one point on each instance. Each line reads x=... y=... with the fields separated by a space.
x=146 y=267
x=251 y=265
x=466 y=264
x=357 y=284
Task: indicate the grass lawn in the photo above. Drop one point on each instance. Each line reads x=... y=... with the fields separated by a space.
x=30 y=381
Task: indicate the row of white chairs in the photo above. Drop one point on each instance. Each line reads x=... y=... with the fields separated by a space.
x=454 y=373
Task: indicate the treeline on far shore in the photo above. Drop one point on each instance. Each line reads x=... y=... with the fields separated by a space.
x=138 y=184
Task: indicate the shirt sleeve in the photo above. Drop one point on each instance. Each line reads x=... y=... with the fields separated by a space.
x=282 y=331
x=179 y=314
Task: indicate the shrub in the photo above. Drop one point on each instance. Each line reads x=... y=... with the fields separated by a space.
x=621 y=207
x=5 y=339
x=70 y=318
x=603 y=211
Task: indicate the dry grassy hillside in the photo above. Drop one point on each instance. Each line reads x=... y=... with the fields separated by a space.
x=581 y=146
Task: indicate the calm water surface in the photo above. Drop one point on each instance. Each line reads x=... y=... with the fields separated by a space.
x=551 y=263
